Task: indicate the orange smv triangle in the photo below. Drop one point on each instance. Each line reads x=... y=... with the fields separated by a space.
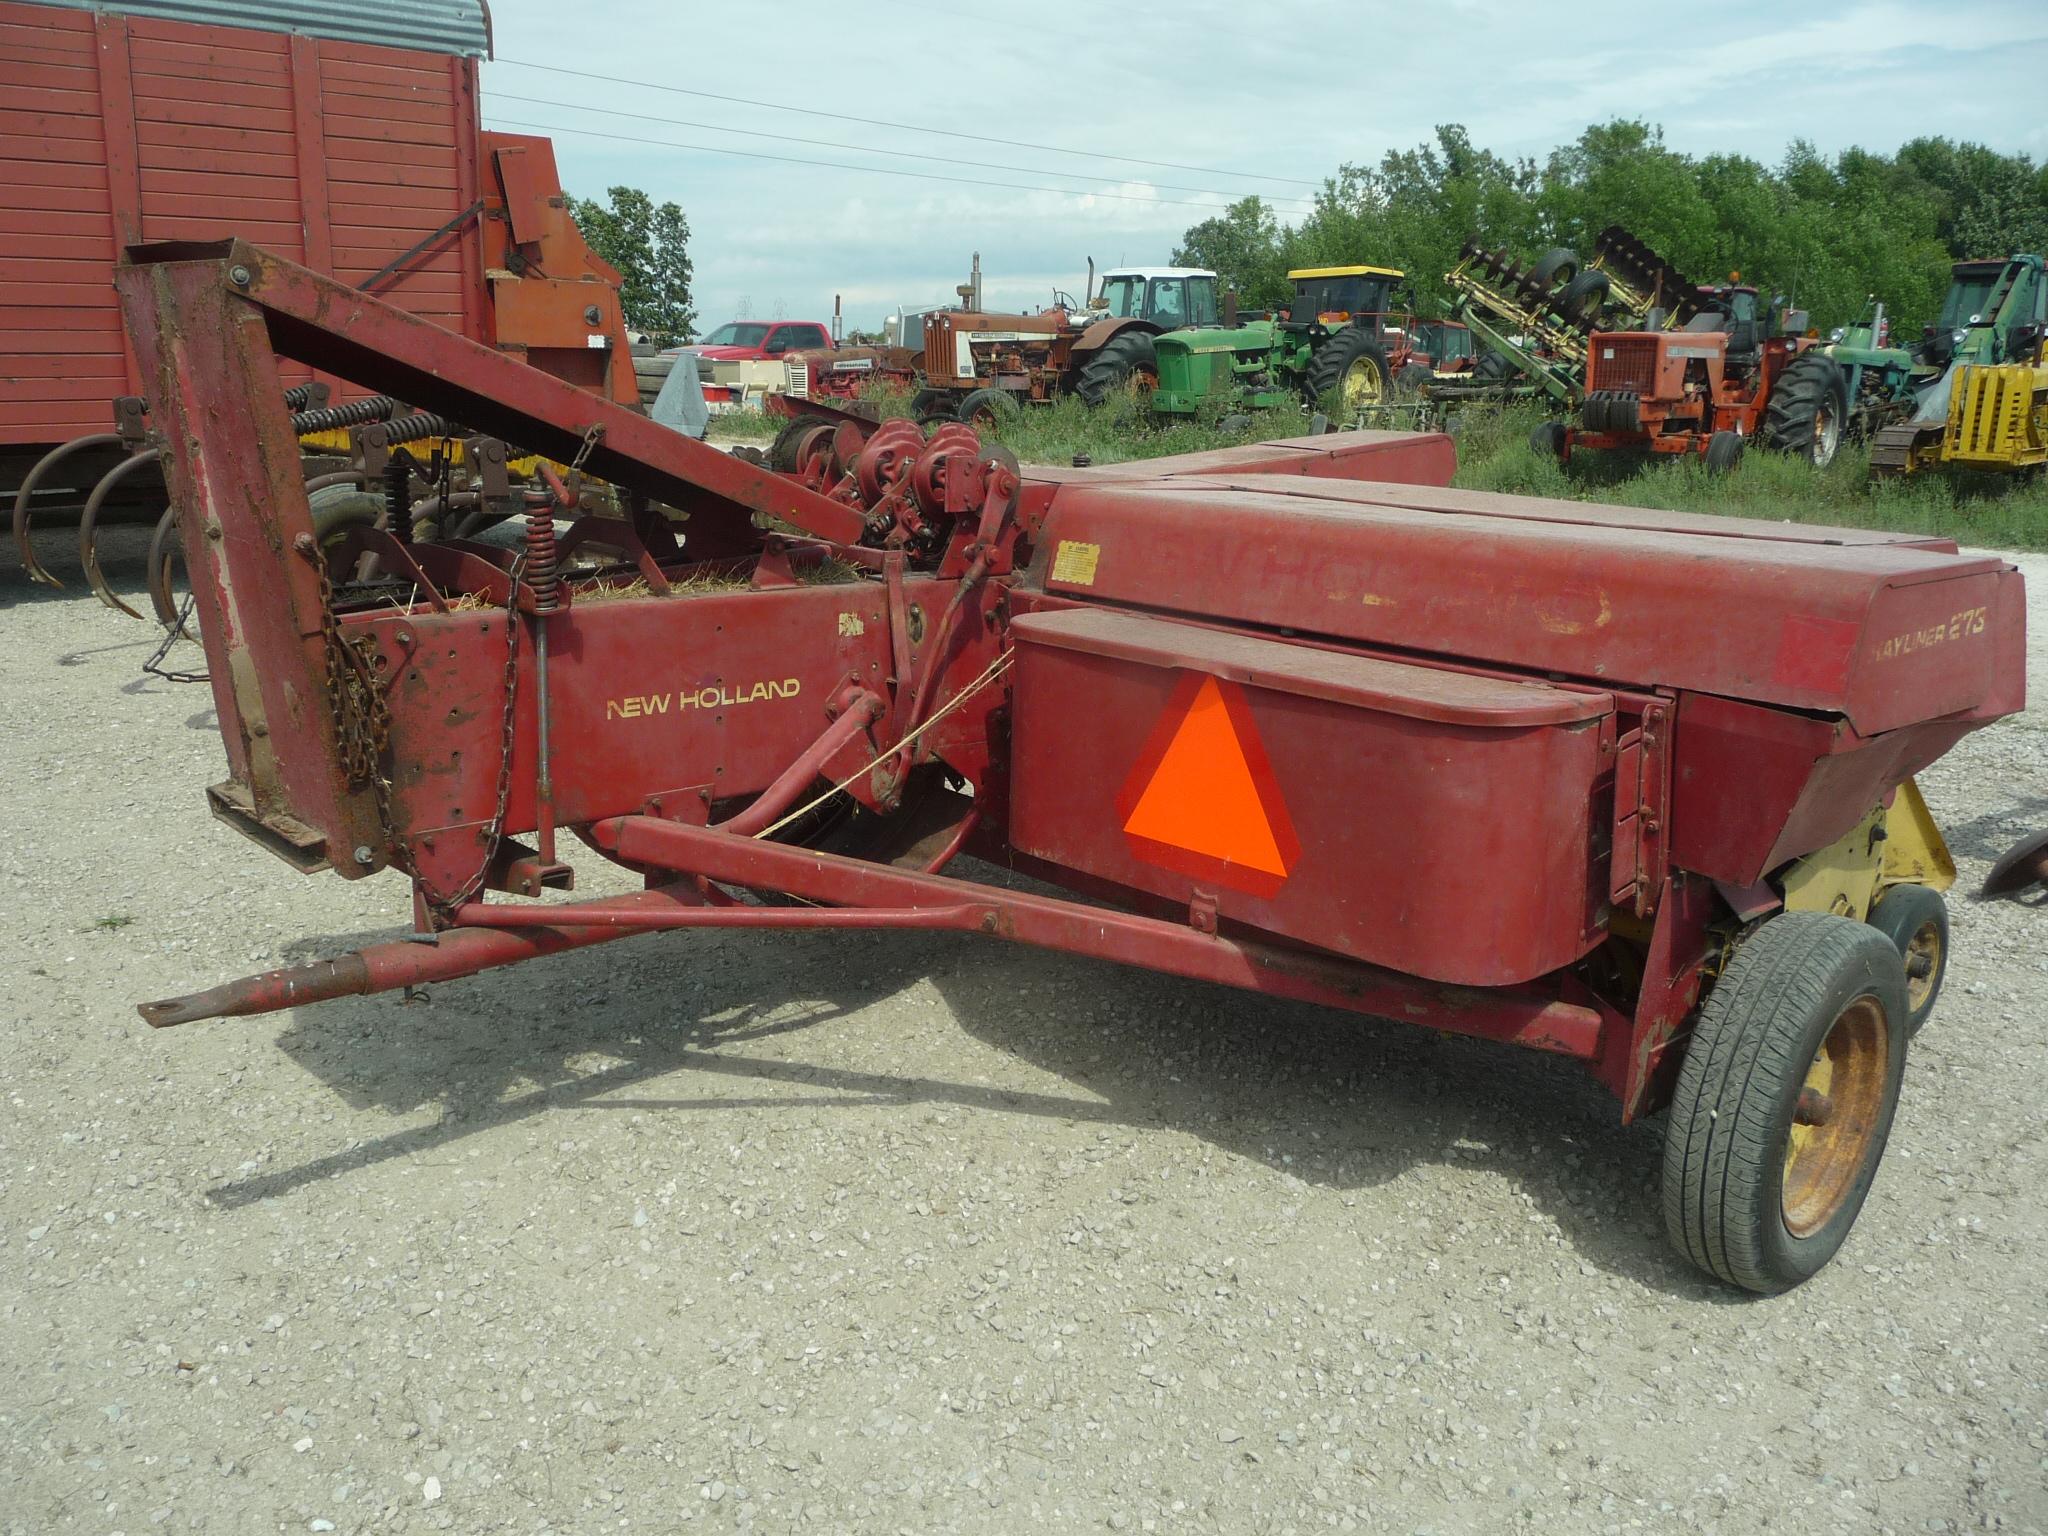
x=1203 y=800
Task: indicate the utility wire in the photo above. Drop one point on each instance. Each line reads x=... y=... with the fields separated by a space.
x=865 y=149
x=877 y=122
x=871 y=170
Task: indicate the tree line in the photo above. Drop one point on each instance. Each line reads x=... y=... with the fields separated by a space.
x=1826 y=233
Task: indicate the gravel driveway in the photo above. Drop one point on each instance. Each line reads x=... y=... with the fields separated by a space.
x=879 y=1233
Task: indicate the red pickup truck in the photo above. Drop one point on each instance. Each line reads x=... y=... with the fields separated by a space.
x=751 y=341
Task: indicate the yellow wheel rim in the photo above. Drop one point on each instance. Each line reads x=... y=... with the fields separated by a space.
x=1362 y=384
x=1836 y=1116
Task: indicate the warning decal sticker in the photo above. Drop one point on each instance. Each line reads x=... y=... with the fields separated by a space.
x=1202 y=799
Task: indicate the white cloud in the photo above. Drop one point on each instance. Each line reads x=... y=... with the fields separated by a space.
x=1283 y=89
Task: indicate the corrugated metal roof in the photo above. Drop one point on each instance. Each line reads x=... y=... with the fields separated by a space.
x=429 y=26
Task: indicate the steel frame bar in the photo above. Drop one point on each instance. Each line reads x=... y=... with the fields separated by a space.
x=1523 y=1016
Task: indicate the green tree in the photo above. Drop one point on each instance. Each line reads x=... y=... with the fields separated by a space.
x=1829 y=233
x=1241 y=246
x=650 y=246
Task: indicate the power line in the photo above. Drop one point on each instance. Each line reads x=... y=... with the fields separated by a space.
x=871 y=170
x=878 y=122
x=865 y=149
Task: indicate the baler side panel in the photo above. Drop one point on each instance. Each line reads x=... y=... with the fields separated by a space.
x=1400 y=811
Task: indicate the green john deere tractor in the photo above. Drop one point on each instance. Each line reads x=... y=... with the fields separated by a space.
x=1343 y=342
x=1974 y=393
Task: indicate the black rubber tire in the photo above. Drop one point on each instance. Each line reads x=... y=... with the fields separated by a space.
x=1731 y=1115
x=1494 y=368
x=1415 y=375
x=1584 y=297
x=932 y=405
x=1333 y=359
x=983 y=408
x=1724 y=452
x=1125 y=356
x=1810 y=396
x=782 y=452
x=1902 y=914
x=1547 y=440
x=1557 y=266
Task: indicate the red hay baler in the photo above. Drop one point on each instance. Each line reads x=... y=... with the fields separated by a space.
x=1628 y=787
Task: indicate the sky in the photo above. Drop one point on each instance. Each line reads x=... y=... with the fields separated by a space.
x=1262 y=96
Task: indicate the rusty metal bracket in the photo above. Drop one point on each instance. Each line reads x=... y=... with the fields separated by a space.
x=1642 y=796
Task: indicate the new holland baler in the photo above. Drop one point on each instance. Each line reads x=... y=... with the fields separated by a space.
x=1633 y=788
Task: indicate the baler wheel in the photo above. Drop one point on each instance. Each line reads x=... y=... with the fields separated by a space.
x=1808 y=405
x=1785 y=1099
x=1352 y=364
x=1125 y=356
x=1915 y=919
x=1724 y=452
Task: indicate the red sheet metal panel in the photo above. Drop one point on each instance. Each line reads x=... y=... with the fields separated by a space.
x=119 y=129
x=1377 y=809
x=60 y=333
x=1882 y=634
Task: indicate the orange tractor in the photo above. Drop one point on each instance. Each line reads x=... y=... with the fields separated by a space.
x=1731 y=373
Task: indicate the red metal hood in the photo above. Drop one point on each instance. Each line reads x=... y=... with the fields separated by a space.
x=1883 y=630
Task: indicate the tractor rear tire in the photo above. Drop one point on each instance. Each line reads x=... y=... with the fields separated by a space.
x=1785 y=1099
x=1915 y=919
x=1494 y=368
x=1583 y=298
x=1125 y=356
x=1808 y=408
x=1558 y=266
x=983 y=409
x=1354 y=365
x=1724 y=452
x=1548 y=441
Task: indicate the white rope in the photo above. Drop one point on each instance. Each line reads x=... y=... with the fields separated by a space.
x=989 y=674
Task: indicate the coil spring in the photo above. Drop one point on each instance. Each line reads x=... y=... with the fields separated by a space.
x=410 y=429
x=541 y=557
x=398 y=492
x=296 y=398
x=355 y=414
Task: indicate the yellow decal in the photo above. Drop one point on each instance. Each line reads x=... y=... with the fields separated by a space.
x=1075 y=562
x=716 y=696
x=851 y=627
x=1959 y=627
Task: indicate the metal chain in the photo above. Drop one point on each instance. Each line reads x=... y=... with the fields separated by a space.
x=362 y=728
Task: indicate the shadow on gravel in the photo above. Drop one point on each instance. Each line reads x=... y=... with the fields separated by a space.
x=1337 y=1101
x=1988 y=836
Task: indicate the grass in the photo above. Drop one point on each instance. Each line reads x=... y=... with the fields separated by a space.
x=1494 y=455
x=113 y=922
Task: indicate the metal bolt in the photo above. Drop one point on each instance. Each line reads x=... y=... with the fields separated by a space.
x=240 y=276
x=364 y=854
x=304 y=544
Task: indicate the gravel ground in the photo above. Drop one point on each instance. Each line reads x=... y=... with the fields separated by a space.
x=909 y=1233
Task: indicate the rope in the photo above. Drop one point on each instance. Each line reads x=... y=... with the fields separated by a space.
x=989 y=674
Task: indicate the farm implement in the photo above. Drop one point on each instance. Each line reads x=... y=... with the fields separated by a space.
x=1628 y=788
x=1534 y=321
